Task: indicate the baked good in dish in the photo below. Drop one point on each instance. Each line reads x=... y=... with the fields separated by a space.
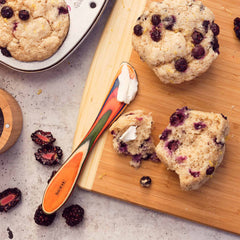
x=177 y=39
x=132 y=136
x=193 y=145
x=32 y=30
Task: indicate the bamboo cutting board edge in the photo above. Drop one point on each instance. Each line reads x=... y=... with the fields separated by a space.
x=117 y=32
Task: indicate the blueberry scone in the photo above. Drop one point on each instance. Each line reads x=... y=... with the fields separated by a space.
x=132 y=136
x=177 y=39
x=193 y=145
x=32 y=30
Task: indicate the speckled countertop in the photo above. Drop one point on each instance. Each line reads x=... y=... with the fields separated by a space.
x=50 y=101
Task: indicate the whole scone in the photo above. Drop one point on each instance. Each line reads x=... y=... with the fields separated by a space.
x=32 y=30
x=177 y=39
x=193 y=145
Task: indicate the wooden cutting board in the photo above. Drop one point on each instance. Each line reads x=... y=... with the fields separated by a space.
x=218 y=202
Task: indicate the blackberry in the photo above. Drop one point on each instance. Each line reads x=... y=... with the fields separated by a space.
x=49 y=155
x=42 y=138
x=42 y=218
x=73 y=214
x=9 y=198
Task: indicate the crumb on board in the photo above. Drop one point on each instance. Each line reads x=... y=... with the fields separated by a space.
x=102 y=176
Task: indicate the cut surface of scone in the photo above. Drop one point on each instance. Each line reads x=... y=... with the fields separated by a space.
x=177 y=39
x=132 y=136
x=193 y=145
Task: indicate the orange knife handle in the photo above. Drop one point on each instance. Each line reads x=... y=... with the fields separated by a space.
x=62 y=184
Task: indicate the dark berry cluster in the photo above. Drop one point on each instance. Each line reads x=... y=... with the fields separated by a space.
x=48 y=154
x=9 y=198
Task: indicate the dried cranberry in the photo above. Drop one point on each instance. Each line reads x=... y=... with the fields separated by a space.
x=138 y=30
x=42 y=138
x=155 y=34
x=5 y=52
x=179 y=117
x=169 y=22
x=42 y=218
x=24 y=15
x=9 y=198
x=194 y=173
x=205 y=24
x=165 y=134
x=197 y=37
x=198 y=52
x=52 y=175
x=73 y=214
x=49 y=155
x=215 y=45
x=210 y=170
x=181 y=64
x=173 y=145
x=181 y=159
x=156 y=19
x=199 y=125
x=62 y=10
x=146 y=181
x=215 y=29
x=6 y=12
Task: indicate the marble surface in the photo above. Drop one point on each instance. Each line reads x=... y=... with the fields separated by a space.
x=50 y=101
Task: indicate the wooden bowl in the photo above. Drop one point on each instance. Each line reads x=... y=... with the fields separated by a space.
x=11 y=121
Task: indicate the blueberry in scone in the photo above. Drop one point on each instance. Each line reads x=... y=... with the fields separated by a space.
x=177 y=39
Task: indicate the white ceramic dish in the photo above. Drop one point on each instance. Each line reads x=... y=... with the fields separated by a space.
x=83 y=16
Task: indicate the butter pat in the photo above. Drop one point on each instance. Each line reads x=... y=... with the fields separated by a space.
x=128 y=86
x=129 y=134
